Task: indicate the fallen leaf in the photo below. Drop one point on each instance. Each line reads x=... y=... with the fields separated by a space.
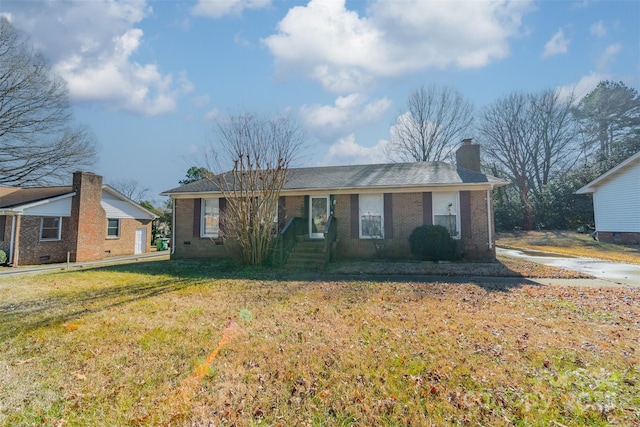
x=79 y=375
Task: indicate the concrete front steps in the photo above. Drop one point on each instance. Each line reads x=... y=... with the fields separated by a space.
x=307 y=255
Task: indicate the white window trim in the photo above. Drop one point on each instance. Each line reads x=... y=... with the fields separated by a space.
x=59 y=229
x=458 y=223
x=361 y=213
x=203 y=219
x=117 y=236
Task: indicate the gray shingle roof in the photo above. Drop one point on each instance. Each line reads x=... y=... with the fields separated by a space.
x=365 y=176
x=23 y=196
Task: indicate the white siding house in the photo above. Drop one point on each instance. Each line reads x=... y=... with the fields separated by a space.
x=616 y=202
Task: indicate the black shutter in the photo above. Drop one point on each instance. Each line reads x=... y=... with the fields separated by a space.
x=388 y=216
x=427 y=208
x=465 y=214
x=197 y=212
x=282 y=212
x=355 y=216
x=222 y=206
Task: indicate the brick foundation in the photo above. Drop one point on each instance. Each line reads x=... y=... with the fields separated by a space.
x=629 y=238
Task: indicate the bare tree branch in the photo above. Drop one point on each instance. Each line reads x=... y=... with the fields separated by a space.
x=435 y=119
x=38 y=143
x=260 y=151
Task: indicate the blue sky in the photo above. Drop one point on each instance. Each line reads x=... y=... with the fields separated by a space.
x=150 y=78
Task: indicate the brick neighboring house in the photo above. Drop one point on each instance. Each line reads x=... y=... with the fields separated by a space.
x=86 y=221
x=372 y=208
x=616 y=202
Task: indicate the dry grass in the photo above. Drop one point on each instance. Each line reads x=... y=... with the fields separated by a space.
x=126 y=345
x=570 y=243
x=502 y=267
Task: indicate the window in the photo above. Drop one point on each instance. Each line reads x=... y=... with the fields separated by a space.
x=113 y=228
x=50 y=228
x=371 y=216
x=3 y=223
x=210 y=226
x=445 y=212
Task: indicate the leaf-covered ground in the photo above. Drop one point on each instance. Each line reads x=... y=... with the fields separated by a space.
x=502 y=267
x=130 y=345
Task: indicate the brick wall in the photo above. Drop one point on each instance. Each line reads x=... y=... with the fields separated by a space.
x=187 y=245
x=407 y=214
x=629 y=238
x=125 y=243
x=34 y=251
x=88 y=219
x=476 y=246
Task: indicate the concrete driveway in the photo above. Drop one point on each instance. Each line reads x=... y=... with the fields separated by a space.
x=608 y=271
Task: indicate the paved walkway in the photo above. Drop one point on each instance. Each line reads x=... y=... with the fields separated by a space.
x=8 y=271
x=613 y=273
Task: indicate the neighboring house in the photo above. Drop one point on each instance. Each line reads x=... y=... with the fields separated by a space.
x=86 y=221
x=371 y=208
x=616 y=202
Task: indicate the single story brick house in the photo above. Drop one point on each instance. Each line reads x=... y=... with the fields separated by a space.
x=86 y=221
x=370 y=208
x=616 y=202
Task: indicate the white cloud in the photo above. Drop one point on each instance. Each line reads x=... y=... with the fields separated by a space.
x=345 y=51
x=598 y=29
x=347 y=152
x=347 y=113
x=219 y=8
x=557 y=45
x=93 y=45
x=608 y=55
x=212 y=115
x=580 y=89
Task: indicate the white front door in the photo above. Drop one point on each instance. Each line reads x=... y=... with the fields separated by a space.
x=141 y=238
x=318 y=216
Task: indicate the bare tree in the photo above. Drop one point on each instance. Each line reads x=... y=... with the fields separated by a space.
x=260 y=151
x=130 y=188
x=433 y=121
x=533 y=139
x=38 y=143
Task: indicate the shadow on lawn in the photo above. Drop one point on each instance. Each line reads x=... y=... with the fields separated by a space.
x=31 y=314
x=174 y=275
x=207 y=269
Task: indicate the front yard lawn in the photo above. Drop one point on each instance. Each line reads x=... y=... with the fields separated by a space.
x=128 y=345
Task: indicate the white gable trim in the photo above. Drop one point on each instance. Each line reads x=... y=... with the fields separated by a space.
x=591 y=187
x=55 y=206
x=117 y=206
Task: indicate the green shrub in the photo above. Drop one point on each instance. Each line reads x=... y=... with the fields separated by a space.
x=432 y=243
x=3 y=257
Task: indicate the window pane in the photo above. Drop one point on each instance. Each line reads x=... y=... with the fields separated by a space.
x=448 y=222
x=211 y=217
x=445 y=211
x=372 y=226
x=371 y=216
x=113 y=227
x=50 y=228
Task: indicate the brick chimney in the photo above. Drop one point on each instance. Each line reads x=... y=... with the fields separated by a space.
x=468 y=155
x=88 y=223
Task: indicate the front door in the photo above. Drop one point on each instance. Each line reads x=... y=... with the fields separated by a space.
x=141 y=239
x=318 y=216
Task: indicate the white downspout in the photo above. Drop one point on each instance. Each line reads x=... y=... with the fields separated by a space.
x=173 y=226
x=489 y=218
